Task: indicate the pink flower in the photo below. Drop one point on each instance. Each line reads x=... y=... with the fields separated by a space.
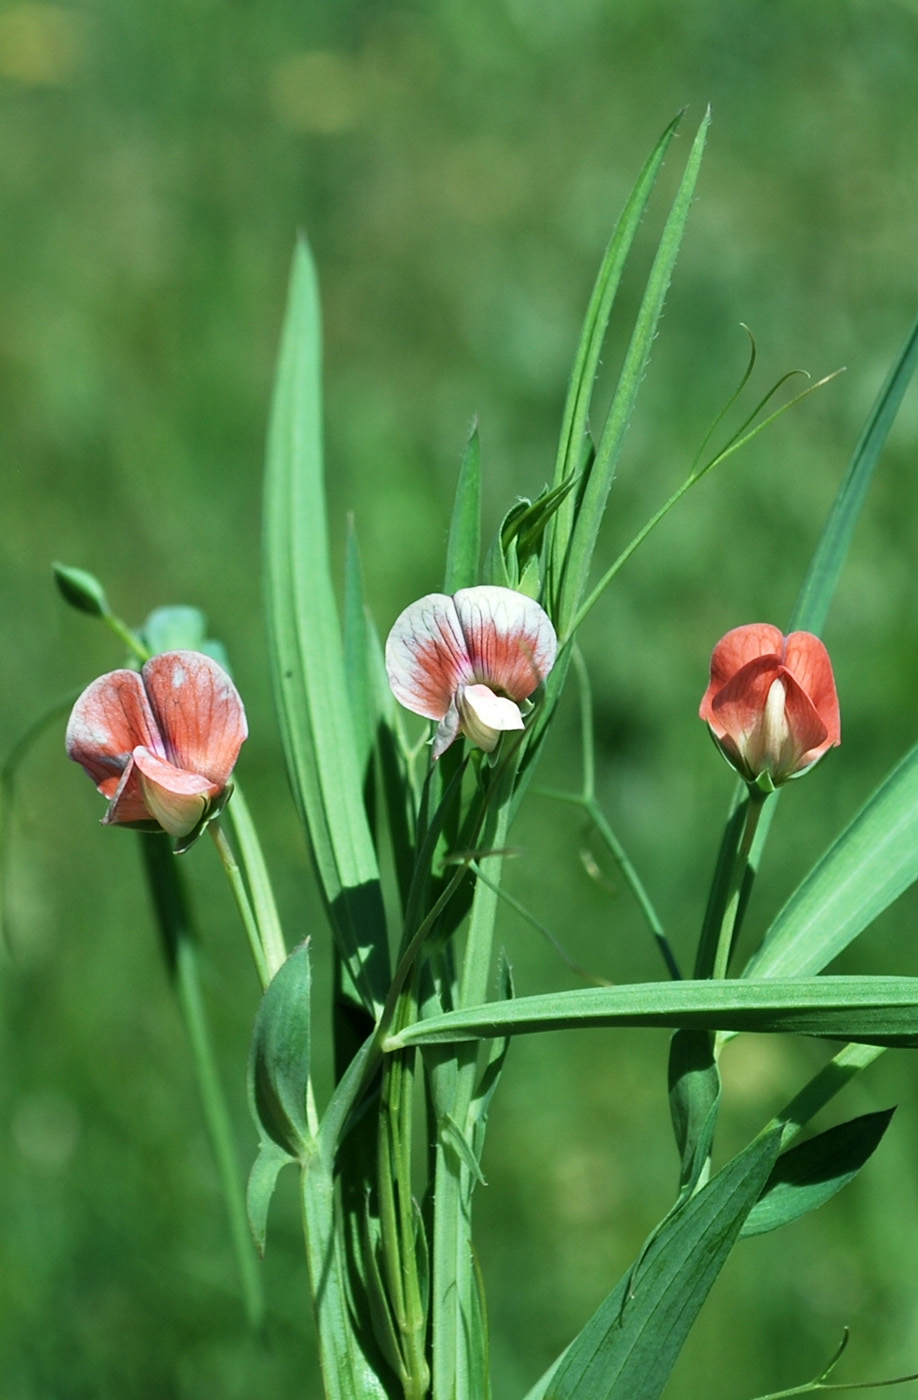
x=771 y=703
x=162 y=743
x=468 y=661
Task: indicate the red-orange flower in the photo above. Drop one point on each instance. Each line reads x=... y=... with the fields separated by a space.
x=771 y=704
x=162 y=743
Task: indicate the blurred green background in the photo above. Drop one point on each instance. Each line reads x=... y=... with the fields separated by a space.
x=458 y=169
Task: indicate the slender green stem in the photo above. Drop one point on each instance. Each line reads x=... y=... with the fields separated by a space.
x=264 y=908
x=738 y=887
x=822 y=1088
x=241 y=896
x=736 y=442
x=126 y=635
x=188 y=986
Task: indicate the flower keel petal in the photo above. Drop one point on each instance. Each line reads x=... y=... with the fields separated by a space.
x=484 y=716
x=174 y=798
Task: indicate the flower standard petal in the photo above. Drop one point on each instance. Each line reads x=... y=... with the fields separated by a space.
x=110 y=718
x=734 y=651
x=509 y=638
x=426 y=657
x=199 y=712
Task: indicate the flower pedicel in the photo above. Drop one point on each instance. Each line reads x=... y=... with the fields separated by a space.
x=469 y=660
x=160 y=744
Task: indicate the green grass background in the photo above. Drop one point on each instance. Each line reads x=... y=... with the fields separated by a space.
x=458 y=169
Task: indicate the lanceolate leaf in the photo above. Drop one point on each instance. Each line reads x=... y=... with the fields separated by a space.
x=819 y=585
x=464 y=547
x=630 y=1345
x=279 y=1056
x=874 y=1010
x=262 y=1180
x=809 y=1175
x=694 y=1096
x=868 y=866
x=586 y=363
x=592 y=501
x=306 y=650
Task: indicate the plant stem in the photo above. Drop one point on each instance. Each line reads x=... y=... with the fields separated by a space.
x=243 y=904
x=737 y=892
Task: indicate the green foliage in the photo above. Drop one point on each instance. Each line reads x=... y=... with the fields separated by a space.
x=279 y=1084
x=306 y=650
x=464 y=544
x=629 y=1347
x=182 y=385
x=875 y=1010
x=866 y=868
x=809 y=1175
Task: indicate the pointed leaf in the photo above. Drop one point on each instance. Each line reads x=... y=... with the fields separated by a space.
x=874 y=1010
x=464 y=546
x=819 y=585
x=279 y=1056
x=360 y=689
x=574 y=427
x=694 y=1096
x=809 y=1175
x=306 y=654
x=262 y=1181
x=573 y=570
x=630 y=1345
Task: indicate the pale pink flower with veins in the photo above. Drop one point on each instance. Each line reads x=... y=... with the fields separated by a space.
x=161 y=743
x=469 y=661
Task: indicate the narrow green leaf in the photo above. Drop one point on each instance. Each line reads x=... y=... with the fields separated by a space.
x=306 y=654
x=464 y=546
x=262 y=1180
x=279 y=1057
x=352 y=1364
x=869 y=865
x=360 y=688
x=811 y=1174
x=380 y=1310
x=873 y=1010
x=819 y=585
x=694 y=1096
x=592 y=502
x=453 y=1137
x=574 y=425
x=628 y=1348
